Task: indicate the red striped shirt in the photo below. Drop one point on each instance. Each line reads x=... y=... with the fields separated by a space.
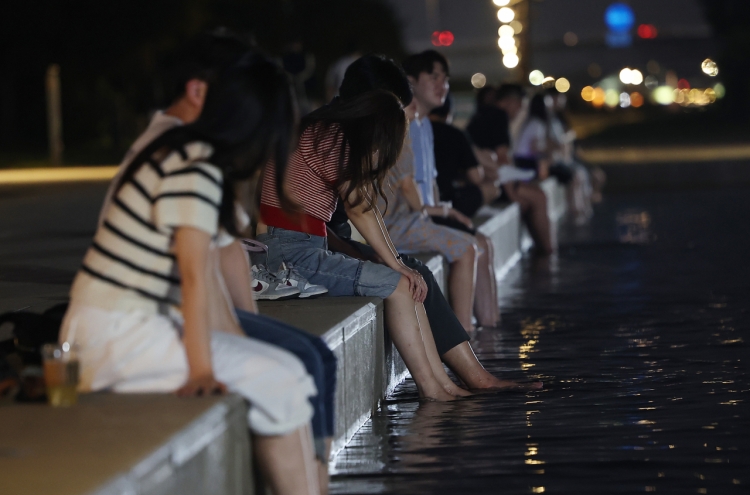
x=312 y=175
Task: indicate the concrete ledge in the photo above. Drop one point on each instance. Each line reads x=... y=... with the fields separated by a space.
x=157 y=444
x=117 y=444
x=369 y=368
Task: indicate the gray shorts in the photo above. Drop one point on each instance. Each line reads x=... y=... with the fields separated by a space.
x=340 y=274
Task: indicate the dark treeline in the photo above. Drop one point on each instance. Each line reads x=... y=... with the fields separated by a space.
x=110 y=53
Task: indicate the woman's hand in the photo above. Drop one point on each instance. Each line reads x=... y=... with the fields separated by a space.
x=202 y=385
x=457 y=215
x=417 y=285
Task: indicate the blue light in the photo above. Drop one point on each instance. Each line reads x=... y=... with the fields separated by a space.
x=619 y=17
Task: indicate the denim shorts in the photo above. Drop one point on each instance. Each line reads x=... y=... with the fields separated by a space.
x=340 y=274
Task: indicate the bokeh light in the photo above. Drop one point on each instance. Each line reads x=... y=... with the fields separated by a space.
x=619 y=17
x=562 y=85
x=570 y=38
x=710 y=67
x=548 y=82
x=517 y=26
x=506 y=31
x=647 y=31
x=651 y=82
x=536 y=77
x=478 y=80
x=442 y=38
x=636 y=99
x=501 y=3
x=587 y=93
x=683 y=84
x=624 y=100
x=506 y=15
x=710 y=94
x=599 y=97
x=636 y=77
x=626 y=75
x=720 y=90
x=611 y=98
x=510 y=60
x=505 y=43
x=663 y=95
x=513 y=49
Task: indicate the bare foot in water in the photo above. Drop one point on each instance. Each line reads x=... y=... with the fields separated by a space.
x=497 y=384
x=457 y=391
x=438 y=394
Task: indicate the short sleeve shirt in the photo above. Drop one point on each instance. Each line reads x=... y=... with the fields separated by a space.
x=423 y=147
x=489 y=128
x=532 y=139
x=313 y=173
x=131 y=264
x=397 y=206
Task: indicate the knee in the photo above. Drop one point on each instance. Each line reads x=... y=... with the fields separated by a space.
x=470 y=255
x=485 y=244
x=402 y=289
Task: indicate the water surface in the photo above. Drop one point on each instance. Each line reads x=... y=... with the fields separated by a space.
x=639 y=330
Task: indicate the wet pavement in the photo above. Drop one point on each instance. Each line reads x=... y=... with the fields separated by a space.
x=639 y=330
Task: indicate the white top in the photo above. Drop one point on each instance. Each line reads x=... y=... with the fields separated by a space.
x=533 y=139
x=160 y=123
x=131 y=264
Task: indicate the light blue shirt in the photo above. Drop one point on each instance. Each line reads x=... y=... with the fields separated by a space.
x=423 y=146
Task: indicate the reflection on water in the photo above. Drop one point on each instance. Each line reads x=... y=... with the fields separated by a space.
x=633 y=226
x=642 y=346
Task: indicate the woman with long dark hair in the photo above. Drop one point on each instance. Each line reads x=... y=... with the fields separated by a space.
x=144 y=309
x=345 y=151
x=369 y=73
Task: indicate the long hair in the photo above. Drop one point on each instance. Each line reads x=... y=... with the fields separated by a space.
x=538 y=107
x=370 y=129
x=248 y=118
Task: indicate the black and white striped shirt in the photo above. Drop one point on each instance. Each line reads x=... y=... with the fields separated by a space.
x=131 y=264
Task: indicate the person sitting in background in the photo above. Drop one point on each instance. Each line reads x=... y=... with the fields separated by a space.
x=489 y=130
x=562 y=134
x=188 y=78
x=461 y=180
x=542 y=149
x=428 y=75
x=534 y=147
x=345 y=151
x=147 y=310
x=376 y=72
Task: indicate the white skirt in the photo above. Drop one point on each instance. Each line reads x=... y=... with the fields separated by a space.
x=138 y=352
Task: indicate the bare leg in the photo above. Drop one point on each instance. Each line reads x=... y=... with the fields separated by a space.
x=288 y=462
x=485 y=304
x=462 y=282
x=434 y=357
x=323 y=477
x=533 y=205
x=404 y=329
x=462 y=360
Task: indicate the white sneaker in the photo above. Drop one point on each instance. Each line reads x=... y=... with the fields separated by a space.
x=509 y=173
x=268 y=287
x=306 y=290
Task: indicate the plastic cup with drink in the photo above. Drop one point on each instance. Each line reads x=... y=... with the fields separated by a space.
x=61 y=367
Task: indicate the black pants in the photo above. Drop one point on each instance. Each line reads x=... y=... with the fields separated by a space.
x=446 y=329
